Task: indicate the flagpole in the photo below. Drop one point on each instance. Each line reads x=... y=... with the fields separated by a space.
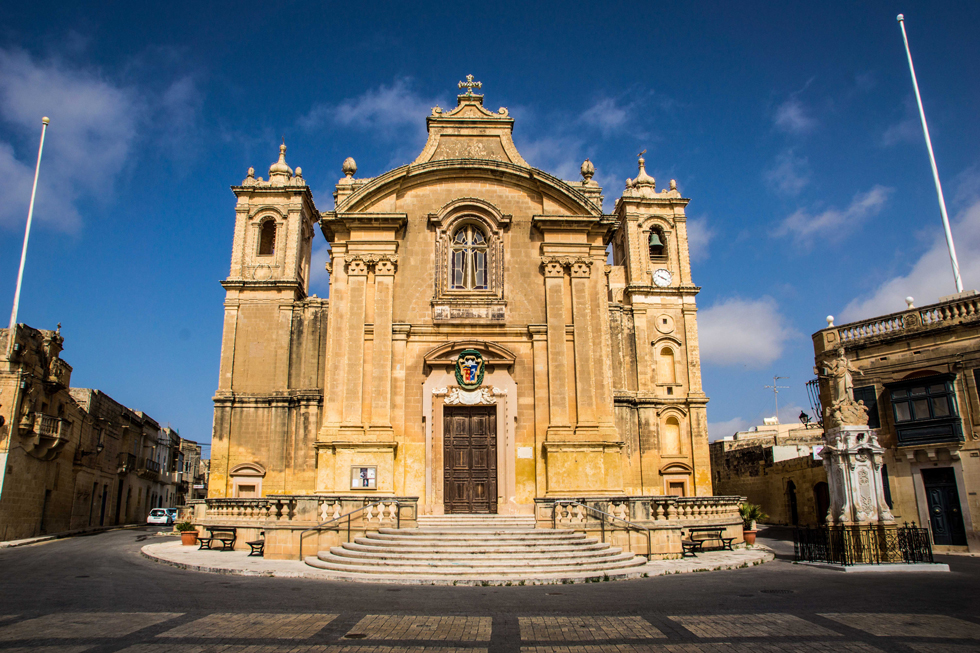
x=932 y=161
x=27 y=235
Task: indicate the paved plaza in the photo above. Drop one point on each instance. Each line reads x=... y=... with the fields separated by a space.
x=98 y=594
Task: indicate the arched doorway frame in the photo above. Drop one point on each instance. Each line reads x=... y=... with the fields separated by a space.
x=437 y=390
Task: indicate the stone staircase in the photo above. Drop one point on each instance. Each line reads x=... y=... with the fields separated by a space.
x=476 y=550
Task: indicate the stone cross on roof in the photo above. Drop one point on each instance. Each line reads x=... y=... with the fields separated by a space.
x=469 y=85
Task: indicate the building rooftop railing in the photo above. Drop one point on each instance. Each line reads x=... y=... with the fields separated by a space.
x=942 y=314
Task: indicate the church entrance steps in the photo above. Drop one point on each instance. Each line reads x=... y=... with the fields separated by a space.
x=239 y=562
x=437 y=521
x=482 y=550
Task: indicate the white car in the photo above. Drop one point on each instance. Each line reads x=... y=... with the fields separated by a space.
x=160 y=516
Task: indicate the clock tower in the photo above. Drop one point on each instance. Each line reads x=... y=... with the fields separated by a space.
x=661 y=412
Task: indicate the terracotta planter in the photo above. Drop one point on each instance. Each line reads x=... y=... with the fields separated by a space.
x=749 y=536
x=188 y=538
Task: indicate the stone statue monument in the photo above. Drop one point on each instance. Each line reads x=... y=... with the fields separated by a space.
x=851 y=453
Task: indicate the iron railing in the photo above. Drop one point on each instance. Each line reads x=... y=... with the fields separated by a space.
x=603 y=517
x=348 y=516
x=857 y=545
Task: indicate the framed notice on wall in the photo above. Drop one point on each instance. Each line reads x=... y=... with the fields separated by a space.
x=364 y=478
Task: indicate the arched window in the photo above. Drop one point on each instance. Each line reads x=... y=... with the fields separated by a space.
x=469 y=259
x=658 y=244
x=672 y=436
x=665 y=366
x=267 y=238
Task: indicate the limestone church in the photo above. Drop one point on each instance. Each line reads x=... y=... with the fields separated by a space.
x=477 y=350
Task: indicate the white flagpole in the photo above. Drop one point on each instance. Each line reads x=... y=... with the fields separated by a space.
x=27 y=235
x=932 y=160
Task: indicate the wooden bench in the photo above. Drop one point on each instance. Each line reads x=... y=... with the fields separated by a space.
x=707 y=534
x=225 y=535
x=258 y=546
x=690 y=546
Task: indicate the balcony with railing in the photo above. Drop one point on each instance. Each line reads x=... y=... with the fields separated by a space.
x=912 y=321
x=126 y=463
x=48 y=434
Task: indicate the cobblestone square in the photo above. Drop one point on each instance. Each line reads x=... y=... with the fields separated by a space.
x=751 y=625
x=300 y=648
x=72 y=625
x=713 y=647
x=577 y=629
x=452 y=629
x=908 y=625
x=253 y=626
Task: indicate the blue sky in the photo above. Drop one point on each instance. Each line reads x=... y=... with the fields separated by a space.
x=792 y=127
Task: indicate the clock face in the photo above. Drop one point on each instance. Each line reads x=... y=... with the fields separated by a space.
x=662 y=277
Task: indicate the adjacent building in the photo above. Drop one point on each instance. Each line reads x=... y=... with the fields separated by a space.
x=777 y=466
x=917 y=373
x=71 y=458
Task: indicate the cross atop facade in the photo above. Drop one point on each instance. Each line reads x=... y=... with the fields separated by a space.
x=469 y=85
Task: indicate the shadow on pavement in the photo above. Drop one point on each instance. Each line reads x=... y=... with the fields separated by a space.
x=779 y=539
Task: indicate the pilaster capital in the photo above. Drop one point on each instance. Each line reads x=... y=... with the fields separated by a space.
x=382 y=265
x=553 y=266
x=356 y=266
x=581 y=268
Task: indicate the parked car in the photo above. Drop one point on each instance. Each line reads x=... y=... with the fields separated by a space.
x=173 y=514
x=159 y=516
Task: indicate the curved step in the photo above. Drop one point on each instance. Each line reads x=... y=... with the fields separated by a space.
x=486 y=549
x=469 y=571
x=471 y=558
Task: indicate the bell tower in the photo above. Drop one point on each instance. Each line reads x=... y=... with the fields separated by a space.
x=658 y=299
x=273 y=340
x=273 y=232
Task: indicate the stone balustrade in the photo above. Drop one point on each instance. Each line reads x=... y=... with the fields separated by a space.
x=934 y=315
x=281 y=519
x=666 y=518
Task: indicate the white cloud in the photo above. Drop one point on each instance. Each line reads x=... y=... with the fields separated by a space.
x=833 y=223
x=608 y=116
x=750 y=332
x=793 y=117
x=906 y=130
x=699 y=235
x=388 y=111
x=789 y=175
x=88 y=144
x=931 y=276
x=719 y=430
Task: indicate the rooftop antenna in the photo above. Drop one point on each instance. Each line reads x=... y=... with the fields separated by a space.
x=932 y=161
x=775 y=392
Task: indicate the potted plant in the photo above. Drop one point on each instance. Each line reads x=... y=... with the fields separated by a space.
x=188 y=534
x=750 y=514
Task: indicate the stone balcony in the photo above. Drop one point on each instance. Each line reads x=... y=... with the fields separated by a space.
x=48 y=435
x=963 y=308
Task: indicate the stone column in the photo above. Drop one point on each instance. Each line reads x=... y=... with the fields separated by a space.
x=554 y=284
x=582 y=324
x=333 y=391
x=353 y=341
x=539 y=348
x=381 y=372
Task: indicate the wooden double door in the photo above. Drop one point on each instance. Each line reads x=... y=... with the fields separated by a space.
x=470 y=459
x=943 y=500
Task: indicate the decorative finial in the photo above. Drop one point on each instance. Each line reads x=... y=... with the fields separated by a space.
x=588 y=170
x=469 y=85
x=673 y=184
x=349 y=167
x=59 y=329
x=640 y=157
x=830 y=320
x=299 y=172
x=251 y=172
x=909 y=300
x=643 y=179
x=45 y=120
x=279 y=168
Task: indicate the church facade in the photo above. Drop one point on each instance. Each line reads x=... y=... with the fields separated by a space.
x=477 y=352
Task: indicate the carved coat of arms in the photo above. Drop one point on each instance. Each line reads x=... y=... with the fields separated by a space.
x=469 y=369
